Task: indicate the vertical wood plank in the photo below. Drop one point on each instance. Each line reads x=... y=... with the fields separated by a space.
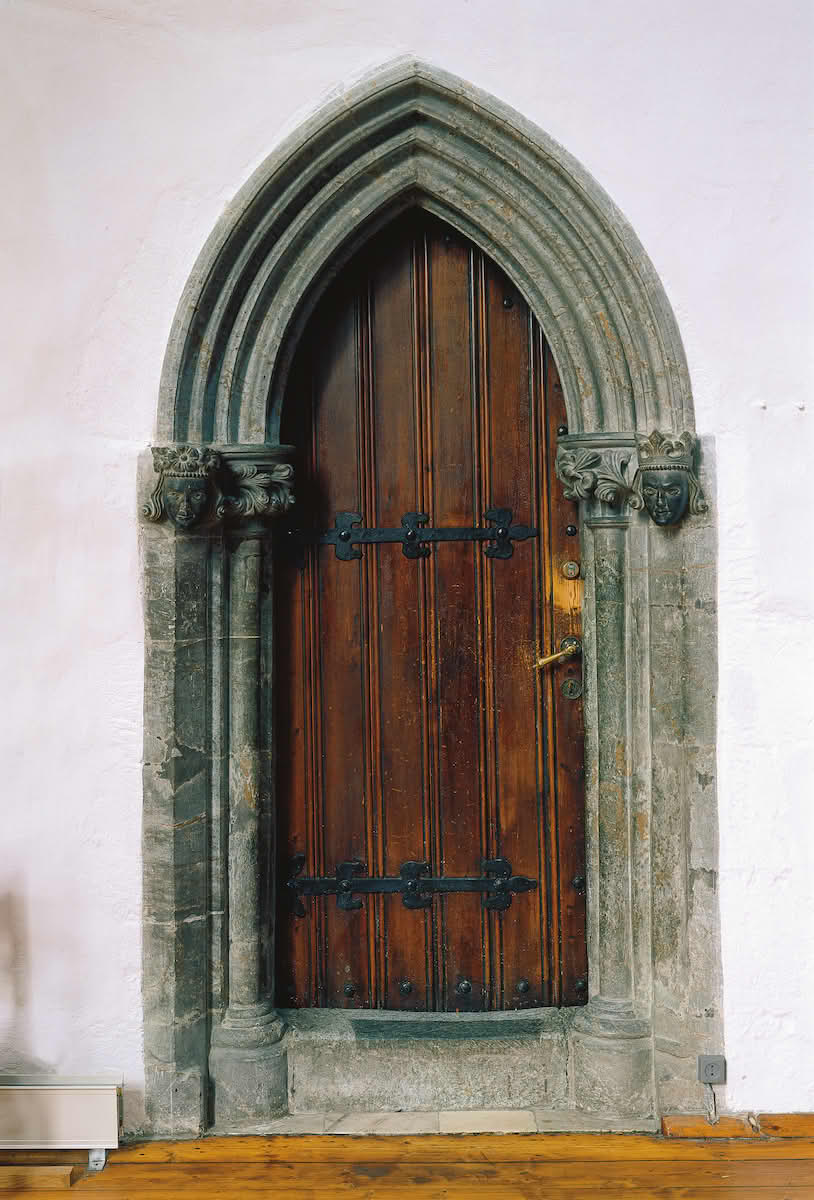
x=345 y=797
x=544 y=708
x=568 y=769
x=402 y=834
x=457 y=711
x=428 y=632
x=295 y=941
x=369 y=633
x=512 y=647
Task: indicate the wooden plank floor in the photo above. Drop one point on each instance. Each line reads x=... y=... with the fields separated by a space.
x=497 y=1167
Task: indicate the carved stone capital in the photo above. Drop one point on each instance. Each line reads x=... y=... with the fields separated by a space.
x=260 y=482
x=625 y=471
x=196 y=484
x=600 y=466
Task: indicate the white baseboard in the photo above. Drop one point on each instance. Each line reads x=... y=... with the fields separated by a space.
x=52 y=1112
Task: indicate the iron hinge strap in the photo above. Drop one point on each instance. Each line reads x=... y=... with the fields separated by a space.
x=415 y=535
x=414 y=882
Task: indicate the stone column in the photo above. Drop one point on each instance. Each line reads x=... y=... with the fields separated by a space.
x=177 y=772
x=611 y=1042
x=248 y=1059
x=207 y=511
x=247 y=1062
x=613 y=960
x=179 y=492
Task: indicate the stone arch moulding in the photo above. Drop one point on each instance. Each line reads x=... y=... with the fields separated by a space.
x=216 y=1050
x=414 y=135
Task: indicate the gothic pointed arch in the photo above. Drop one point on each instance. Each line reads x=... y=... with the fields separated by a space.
x=413 y=135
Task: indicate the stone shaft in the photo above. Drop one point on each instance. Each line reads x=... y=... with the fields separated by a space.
x=245 y=782
x=614 y=957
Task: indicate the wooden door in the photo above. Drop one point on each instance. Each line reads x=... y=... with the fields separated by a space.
x=413 y=721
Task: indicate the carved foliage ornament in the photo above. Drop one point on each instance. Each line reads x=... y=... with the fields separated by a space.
x=586 y=473
x=194 y=481
x=662 y=479
x=258 y=493
x=576 y=469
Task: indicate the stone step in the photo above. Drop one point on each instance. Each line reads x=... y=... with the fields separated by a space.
x=356 y=1061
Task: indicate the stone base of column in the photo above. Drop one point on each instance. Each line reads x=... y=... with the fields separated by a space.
x=248 y=1066
x=611 y=1054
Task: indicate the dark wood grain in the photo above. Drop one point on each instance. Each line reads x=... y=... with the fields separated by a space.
x=455 y=721
x=567 y=762
x=511 y=449
x=401 y=831
x=415 y=724
x=345 y=757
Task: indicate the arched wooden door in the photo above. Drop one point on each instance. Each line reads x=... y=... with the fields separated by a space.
x=420 y=748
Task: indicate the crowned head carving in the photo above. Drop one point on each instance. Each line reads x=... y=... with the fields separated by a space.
x=666 y=483
x=185 y=484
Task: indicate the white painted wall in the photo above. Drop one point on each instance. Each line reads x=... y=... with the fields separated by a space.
x=126 y=127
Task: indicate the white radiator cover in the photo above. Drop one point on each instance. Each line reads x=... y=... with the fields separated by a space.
x=52 y=1112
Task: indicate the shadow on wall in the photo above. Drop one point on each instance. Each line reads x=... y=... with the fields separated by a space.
x=21 y=1116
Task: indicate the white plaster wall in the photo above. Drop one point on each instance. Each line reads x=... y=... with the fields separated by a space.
x=126 y=126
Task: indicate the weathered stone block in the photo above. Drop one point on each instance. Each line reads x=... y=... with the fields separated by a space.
x=158 y=950
x=374 y=1064
x=249 y=1086
x=175 y=1102
x=677 y=1085
x=612 y=1075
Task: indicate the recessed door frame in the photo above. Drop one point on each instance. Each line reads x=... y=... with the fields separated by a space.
x=215 y=1048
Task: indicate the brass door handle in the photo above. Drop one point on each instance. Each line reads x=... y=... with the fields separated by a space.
x=570 y=647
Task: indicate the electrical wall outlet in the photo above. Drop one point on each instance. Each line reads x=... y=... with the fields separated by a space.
x=712 y=1068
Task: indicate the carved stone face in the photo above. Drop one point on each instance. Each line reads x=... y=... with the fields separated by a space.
x=185 y=500
x=666 y=495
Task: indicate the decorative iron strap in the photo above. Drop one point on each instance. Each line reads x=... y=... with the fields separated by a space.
x=414 y=882
x=415 y=535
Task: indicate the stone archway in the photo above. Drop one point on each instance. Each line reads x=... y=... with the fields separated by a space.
x=408 y=136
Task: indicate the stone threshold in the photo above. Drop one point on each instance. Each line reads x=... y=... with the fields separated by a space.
x=531 y=1120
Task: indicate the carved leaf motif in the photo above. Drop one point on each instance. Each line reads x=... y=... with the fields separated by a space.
x=635 y=499
x=612 y=486
x=697 y=504
x=259 y=493
x=575 y=469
